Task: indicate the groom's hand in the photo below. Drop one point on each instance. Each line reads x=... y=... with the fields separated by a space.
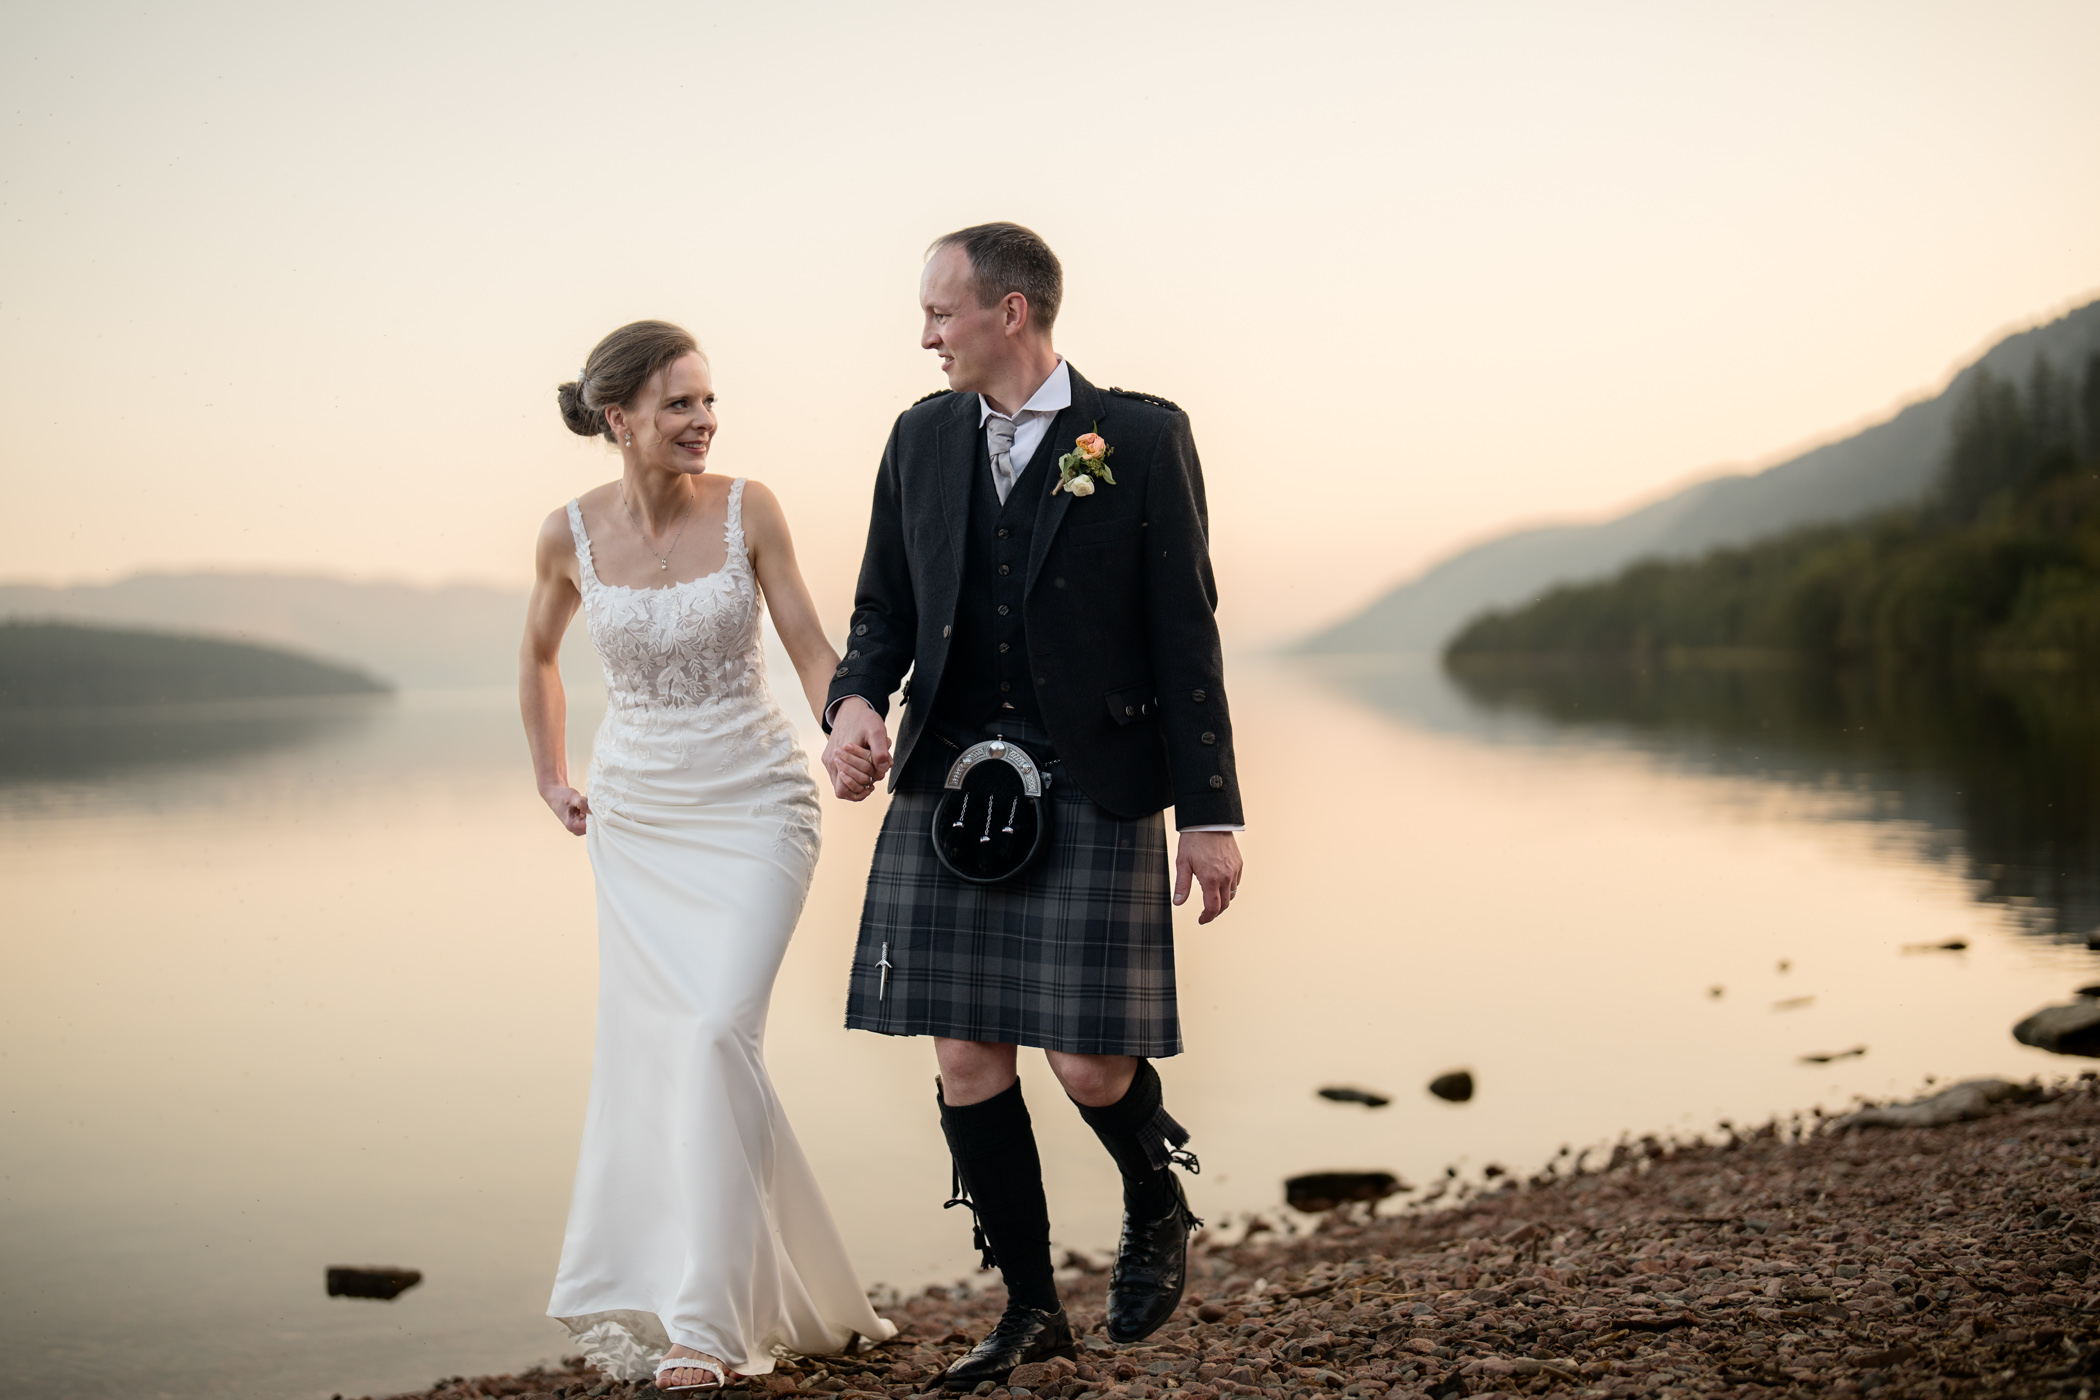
x=858 y=755
x=1212 y=859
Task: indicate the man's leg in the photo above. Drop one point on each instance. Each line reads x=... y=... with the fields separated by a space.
x=993 y=1144
x=1119 y=1096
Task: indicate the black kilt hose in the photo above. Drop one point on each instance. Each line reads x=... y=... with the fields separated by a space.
x=1075 y=954
x=1085 y=626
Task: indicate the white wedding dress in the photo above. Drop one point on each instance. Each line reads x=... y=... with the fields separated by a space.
x=696 y=1218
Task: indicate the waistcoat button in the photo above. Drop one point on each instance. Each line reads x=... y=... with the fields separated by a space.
x=861 y=631
x=1216 y=781
x=1005 y=569
x=1004 y=532
x=1209 y=738
x=1004 y=648
x=1002 y=610
x=1006 y=685
x=1197 y=697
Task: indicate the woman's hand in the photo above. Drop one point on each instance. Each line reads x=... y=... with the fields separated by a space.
x=570 y=807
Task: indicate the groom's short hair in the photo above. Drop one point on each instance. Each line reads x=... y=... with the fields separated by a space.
x=1006 y=258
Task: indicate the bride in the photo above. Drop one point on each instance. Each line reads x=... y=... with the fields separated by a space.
x=697 y=1239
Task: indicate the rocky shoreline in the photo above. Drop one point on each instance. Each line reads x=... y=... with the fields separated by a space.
x=1803 y=1258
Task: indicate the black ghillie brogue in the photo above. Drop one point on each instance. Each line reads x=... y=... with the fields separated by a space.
x=1152 y=1268
x=1023 y=1335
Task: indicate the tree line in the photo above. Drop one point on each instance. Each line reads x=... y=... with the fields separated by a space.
x=2000 y=564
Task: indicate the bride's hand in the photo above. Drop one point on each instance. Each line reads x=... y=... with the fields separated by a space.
x=569 y=806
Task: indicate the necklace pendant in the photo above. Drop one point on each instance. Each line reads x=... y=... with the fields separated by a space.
x=664 y=564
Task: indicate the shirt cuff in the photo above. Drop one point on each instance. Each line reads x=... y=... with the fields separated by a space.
x=1222 y=826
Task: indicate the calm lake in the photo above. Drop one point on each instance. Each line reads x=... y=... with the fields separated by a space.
x=301 y=985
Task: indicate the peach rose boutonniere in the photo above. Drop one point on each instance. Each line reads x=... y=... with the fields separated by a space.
x=1088 y=459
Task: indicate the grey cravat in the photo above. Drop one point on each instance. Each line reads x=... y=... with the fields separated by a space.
x=1000 y=433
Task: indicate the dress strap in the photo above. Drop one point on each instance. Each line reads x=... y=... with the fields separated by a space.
x=583 y=546
x=733 y=524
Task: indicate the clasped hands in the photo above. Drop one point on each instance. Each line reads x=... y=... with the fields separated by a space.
x=857 y=757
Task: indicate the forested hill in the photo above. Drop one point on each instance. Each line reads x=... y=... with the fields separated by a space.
x=57 y=665
x=2001 y=562
x=1879 y=468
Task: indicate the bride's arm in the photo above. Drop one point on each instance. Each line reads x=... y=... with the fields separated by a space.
x=787 y=596
x=555 y=598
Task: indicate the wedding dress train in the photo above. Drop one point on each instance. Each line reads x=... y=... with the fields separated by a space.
x=695 y=1219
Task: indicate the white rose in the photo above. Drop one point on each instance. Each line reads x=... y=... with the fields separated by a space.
x=1081 y=485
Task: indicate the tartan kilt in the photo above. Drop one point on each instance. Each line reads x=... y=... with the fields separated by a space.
x=1076 y=954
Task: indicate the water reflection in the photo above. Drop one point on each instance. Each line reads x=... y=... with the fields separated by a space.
x=92 y=743
x=1996 y=769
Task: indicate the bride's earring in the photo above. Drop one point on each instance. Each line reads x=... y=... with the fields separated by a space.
x=630 y=439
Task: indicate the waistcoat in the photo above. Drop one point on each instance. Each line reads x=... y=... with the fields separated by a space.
x=988 y=664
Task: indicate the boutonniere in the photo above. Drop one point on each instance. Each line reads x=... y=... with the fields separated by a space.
x=1088 y=459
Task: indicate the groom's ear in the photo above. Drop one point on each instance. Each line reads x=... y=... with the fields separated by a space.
x=1015 y=313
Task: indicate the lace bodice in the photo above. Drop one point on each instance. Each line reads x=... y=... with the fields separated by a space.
x=688 y=718
x=686 y=644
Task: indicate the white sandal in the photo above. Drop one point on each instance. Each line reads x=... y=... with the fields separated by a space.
x=691 y=1363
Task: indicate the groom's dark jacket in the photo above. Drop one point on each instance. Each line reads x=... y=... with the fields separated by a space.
x=1116 y=598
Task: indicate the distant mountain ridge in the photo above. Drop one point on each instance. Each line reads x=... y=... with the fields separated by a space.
x=1890 y=464
x=411 y=636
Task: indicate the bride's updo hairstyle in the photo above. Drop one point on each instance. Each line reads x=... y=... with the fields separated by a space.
x=615 y=371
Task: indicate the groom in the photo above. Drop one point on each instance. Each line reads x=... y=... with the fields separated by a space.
x=1068 y=609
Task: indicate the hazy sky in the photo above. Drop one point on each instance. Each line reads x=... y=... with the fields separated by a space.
x=290 y=286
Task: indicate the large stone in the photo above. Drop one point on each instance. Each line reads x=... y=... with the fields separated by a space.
x=370 y=1281
x=1455 y=1087
x=1974 y=1098
x=2063 y=1030
x=1318 y=1191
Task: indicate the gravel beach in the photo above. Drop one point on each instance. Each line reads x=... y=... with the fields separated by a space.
x=1817 y=1257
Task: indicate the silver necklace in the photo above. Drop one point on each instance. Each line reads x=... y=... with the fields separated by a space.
x=663 y=560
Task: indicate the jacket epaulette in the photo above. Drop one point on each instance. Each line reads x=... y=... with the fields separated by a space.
x=934 y=395
x=1168 y=404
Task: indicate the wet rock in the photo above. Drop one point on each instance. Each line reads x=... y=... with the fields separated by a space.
x=1318 y=1191
x=1455 y=1087
x=1793 y=1003
x=1854 y=1053
x=1974 y=1098
x=1952 y=945
x=1344 y=1094
x=2063 y=1030
x=370 y=1281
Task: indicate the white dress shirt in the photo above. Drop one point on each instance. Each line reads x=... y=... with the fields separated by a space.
x=1032 y=421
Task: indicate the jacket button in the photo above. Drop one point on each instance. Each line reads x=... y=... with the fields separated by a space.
x=1005 y=647
x=1216 y=781
x=1197 y=697
x=946 y=630
x=839 y=672
x=1130 y=709
x=1006 y=685
x=1005 y=569
x=1004 y=532
x=1002 y=610
x=1209 y=738
x=861 y=631
x=853 y=655
x=1144 y=709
